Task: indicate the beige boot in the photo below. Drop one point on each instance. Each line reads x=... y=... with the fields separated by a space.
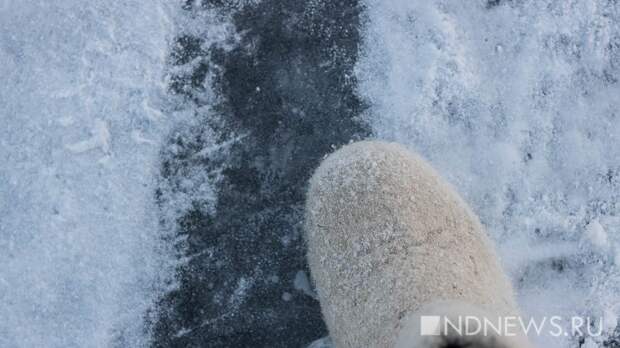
x=387 y=240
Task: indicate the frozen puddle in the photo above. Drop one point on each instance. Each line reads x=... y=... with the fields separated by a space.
x=82 y=83
x=516 y=103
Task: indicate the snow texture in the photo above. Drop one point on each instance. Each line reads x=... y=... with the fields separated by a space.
x=82 y=93
x=515 y=103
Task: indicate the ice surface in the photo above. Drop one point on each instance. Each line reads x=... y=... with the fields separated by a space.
x=282 y=97
x=83 y=86
x=516 y=103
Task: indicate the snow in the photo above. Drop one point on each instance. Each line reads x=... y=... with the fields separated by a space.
x=321 y=343
x=100 y=138
x=517 y=106
x=302 y=283
x=595 y=234
x=286 y=296
x=82 y=93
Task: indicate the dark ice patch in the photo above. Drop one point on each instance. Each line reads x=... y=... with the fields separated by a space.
x=288 y=88
x=493 y=3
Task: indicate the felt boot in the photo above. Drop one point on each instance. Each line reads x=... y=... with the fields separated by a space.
x=390 y=242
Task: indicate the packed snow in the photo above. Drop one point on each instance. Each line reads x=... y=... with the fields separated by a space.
x=83 y=86
x=516 y=103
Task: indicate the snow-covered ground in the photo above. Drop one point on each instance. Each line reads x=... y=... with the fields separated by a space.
x=81 y=92
x=517 y=103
